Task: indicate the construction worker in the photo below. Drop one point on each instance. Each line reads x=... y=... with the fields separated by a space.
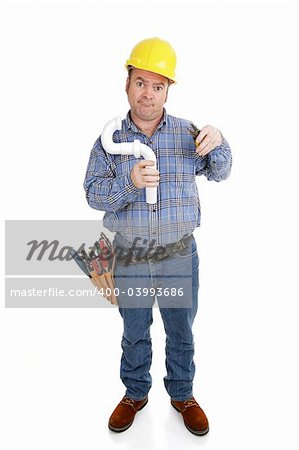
x=115 y=184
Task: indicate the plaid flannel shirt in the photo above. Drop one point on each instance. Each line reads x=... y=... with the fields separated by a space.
x=109 y=187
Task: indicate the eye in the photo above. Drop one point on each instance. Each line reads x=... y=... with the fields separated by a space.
x=139 y=83
x=159 y=88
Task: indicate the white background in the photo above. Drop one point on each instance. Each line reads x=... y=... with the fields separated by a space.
x=63 y=78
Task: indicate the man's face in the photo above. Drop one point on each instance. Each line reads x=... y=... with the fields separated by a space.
x=147 y=93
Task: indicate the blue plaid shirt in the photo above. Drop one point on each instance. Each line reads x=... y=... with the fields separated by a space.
x=109 y=187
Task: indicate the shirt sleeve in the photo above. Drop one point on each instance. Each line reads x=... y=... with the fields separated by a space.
x=217 y=164
x=103 y=189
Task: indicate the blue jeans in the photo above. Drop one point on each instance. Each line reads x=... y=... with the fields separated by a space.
x=139 y=285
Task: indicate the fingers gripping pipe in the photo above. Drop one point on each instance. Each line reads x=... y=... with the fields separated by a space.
x=135 y=148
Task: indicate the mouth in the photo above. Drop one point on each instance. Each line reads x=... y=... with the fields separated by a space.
x=147 y=105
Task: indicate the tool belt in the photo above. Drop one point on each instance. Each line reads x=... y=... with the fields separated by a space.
x=98 y=265
x=126 y=255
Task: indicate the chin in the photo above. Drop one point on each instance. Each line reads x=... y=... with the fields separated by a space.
x=146 y=114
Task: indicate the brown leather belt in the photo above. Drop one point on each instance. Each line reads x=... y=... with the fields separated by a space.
x=125 y=256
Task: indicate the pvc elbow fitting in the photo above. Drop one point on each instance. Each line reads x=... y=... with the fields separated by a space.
x=135 y=148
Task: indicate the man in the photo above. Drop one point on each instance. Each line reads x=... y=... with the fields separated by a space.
x=115 y=184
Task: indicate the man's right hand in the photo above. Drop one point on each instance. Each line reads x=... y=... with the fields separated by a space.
x=142 y=175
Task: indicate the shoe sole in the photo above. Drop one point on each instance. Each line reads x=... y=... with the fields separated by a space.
x=119 y=430
x=192 y=430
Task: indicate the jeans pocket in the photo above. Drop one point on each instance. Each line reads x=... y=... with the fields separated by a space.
x=189 y=251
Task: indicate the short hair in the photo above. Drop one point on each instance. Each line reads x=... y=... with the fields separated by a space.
x=130 y=69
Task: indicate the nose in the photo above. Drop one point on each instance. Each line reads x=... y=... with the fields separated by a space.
x=148 y=92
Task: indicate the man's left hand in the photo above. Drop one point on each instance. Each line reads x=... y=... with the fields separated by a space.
x=208 y=138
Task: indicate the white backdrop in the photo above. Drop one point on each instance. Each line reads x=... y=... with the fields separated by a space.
x=63 y=78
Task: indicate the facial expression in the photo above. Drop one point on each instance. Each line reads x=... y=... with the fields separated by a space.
x=147 y=93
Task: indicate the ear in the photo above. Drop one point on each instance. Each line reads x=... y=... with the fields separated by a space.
x=127 y=84
x=166 y=95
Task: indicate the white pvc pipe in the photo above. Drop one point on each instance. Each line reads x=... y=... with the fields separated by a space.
x=135 y=148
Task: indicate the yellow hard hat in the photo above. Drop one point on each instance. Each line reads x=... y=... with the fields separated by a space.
x=154 y=55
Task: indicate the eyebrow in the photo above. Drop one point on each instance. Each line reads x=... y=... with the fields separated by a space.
x=144 y=81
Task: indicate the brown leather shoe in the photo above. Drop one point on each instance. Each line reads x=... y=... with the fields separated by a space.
x=194 y=417
x=123 y=415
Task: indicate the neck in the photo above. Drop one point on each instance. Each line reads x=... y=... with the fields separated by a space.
x=147 y=127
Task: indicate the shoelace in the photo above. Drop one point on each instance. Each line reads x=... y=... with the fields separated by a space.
x=128 y=401
x=188 y=403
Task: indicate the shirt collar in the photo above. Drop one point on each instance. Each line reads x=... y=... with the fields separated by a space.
x=131 y=125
